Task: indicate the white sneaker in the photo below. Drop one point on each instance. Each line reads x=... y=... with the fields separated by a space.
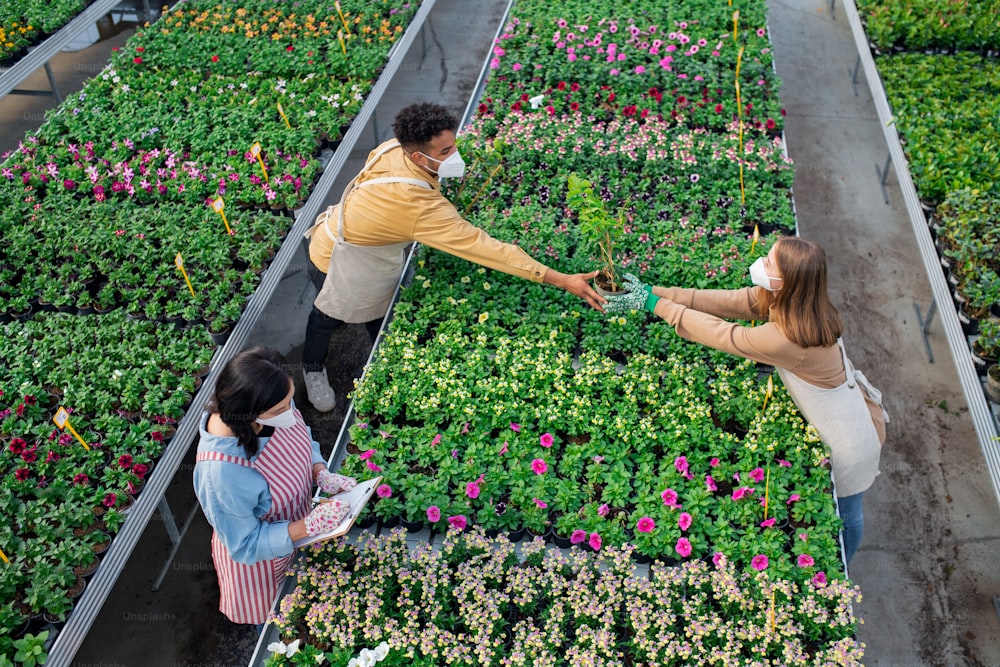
x=319 y=391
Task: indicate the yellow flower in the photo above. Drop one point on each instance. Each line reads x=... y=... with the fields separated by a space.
x=483 y=317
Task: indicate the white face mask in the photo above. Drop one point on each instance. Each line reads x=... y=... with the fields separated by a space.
x=283 y=420
x=452 y=166
x=759 y=277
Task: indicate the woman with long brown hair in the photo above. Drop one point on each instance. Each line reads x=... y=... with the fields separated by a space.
x=801 y=337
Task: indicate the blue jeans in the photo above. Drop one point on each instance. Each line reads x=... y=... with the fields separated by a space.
x=853 y=516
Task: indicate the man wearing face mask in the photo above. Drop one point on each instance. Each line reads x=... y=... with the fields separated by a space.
x=800 y=337
x=357 y=247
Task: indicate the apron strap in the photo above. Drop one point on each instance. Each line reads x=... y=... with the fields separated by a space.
x=848 y=369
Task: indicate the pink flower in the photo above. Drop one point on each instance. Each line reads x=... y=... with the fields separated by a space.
x=384 y=491
x=669 y=497
x=504 y=449
x=541 y=504
x=792 y=498
x=740 y=492
x=714 y=462
x=436 y=440
x=639 y=69
x=110 y=500
x=710 y=483
x=757 y=474
x=545 y=440
x=373 y=467
x=767 y=523
x=681 y=464
x=819 y=579
x=457 y=521
x=645 y=525
x=595 y=541
x=578 y=536
x=684 y=521
x=81 y=479
x=472 y=490
x=140 y=470
x=21 y=474
x=784 y=464
x=517 y=67
x=805 y=560
x=515 y=427
x=433 y=514
x=539 y=466
x=683 y=547
x=759 y=562
x=718 y=559
x=597 y=459
x=803 y=536
x=465 y=429
x=603 y=510
x=364 y=456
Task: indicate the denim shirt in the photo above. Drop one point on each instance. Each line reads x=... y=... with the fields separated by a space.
x=234 y=498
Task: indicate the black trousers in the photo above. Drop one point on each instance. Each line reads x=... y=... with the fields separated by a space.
x=320 y=327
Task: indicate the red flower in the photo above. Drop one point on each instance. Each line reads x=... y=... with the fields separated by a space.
x=215 y=59
x=483 y=108
x=290 y=48
x=573 y=106
x=137 y=60
x=81 y=479
x=20 y=409
x=30 y=400
x=561 y=85
x=29 y=455
x=110 y=500
x=611 y=97
x=140 y=470
x=770 y=124
x=140 y=49
x=574 y=87
x=718 y=108
x=125 y=461
x=157 y=436
x=21 y=474
x=16 y=446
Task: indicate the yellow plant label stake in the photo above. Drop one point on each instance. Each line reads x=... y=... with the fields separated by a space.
x=255 y=151
x=770 y=384
x=343 y=47
x=219 y=206
x=283 y=116
x=342 y=19
x=61 y=419
x=739 y=61
x=179 y=261
x=753 y=244
x=3 y=557
x=736 y=20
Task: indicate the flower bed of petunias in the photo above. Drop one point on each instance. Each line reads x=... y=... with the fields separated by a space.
x=124 y=384
x=939 y=65
x=95 y=207
x=477 y=601
x=498 y=404
x=26 y=22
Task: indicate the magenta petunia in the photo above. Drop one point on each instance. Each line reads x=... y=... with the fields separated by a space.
x=681 y=464
x=759 y=562
x=436 y=440
x=645 y=525
x=684 y=521
x=683 y=547
x=540 y=503
x=373 y=467
x=545 y=440
x=819 y=579
x=792 y=498
x=433 y=514
x=472 y=490
x=457 y=521
x=594 y=541
x=767 y=523
x=578 y=537
x=805 y=560
x=364 y=456
x=514 y=426
x=714 y=462
x=110 y=500
x=710 y=483
x=784 y=464
x=603 y=510
x=718 y=559
x=384 y=491
x=669 y=497
x=539 y=466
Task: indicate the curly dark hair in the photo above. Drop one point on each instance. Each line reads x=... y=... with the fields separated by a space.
x=417 y=124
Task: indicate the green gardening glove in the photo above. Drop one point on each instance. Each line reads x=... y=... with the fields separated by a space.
x=639 y=297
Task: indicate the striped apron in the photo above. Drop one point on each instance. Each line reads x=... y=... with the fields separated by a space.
x=247 y=592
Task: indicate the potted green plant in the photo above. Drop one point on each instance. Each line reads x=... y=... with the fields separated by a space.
x=599 y=229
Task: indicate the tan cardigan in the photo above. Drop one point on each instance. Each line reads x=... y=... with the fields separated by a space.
x=390 y=213
x=698 y=316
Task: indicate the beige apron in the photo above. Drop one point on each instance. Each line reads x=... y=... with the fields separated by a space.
x=843 y=421
x=360 y=280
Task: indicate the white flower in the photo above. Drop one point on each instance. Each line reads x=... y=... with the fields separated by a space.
x=284 y=649
x=381 y=651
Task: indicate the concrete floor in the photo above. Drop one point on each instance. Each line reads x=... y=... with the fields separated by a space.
x=927 y=567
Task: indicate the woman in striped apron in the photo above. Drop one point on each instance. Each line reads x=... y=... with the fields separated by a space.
x=256 y=466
